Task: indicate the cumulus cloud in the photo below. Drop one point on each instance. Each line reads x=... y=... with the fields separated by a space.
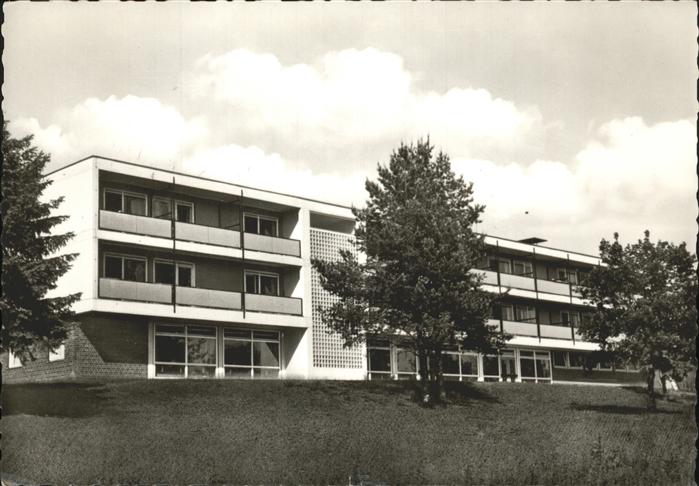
x=131 y=128
x=630 y=177
x=353 y=98
x=322 y=116
x=253 y=167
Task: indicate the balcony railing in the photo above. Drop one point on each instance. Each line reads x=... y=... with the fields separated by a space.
x=218 y=299
x=526 y=282
x=273 y=304
x=551 y=331
x=212 y=235
x=271 y=244
x=110 y=288
x=131 y=223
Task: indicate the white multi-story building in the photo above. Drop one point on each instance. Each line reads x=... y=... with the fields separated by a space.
x=185 y=277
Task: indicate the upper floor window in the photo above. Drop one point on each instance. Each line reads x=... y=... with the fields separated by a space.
x=570 y=317
x=522 y=268
x=125 y=267
x=125 y=202
x=261 y=283
x=261 y=225
x=525 y=313
x=500 y=265
x=184 y=210
x=181 y=274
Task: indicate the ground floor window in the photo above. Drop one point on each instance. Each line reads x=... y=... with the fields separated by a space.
x=251 y=354
x=191 y=351
x=535 y=365
x=185 y=351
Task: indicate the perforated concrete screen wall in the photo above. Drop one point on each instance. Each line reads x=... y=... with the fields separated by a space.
x=328 y=351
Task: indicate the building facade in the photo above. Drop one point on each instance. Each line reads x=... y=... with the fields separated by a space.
x=187 y=277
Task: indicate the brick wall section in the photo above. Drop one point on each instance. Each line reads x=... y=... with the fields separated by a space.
x=99 y=346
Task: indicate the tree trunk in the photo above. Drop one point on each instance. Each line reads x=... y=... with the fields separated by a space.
x=440 y=394
x=651 y=390
x=424 y=374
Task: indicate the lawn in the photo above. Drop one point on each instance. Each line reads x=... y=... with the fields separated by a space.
x=290 y=432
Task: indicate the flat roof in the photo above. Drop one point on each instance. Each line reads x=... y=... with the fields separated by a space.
x=142 y=166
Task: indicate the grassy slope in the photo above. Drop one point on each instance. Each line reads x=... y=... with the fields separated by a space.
x=320 y=432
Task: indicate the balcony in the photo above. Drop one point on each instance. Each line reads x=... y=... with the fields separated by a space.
x=271 y=244
x=519 y=328
x=131 y=223
x=211 y=235
x=527 y=283
x=555 y=332
x=110 y=288
x=273 y=304
x=217 y=299
x=137 y=291
x=207 y=234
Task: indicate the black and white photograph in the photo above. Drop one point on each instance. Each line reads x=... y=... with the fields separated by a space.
x=349 y=243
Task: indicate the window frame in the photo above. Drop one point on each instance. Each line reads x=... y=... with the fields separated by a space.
x=189 y=204
x=570 y=322
x=499 y=260
x=259 y=274
x=122 y=193
x=178 y=263
x=534 y=357
x=122 y=256
x=259 y=216
x=162 y=199
x=252 y=340
x=528 y=268
x=528 y=320
x=186 y=364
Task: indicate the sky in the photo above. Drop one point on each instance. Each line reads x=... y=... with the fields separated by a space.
x=573 y=121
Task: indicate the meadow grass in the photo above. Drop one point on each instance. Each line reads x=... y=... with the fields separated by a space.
x=312 y=432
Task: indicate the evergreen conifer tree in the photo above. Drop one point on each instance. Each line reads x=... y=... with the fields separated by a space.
x=31 y=263
x=417 y=237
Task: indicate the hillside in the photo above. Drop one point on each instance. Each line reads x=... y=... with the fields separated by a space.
x=321 y=432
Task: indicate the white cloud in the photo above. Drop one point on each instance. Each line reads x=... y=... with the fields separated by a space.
x=630 y=177
x=353 y=97
x=130 y=128
x=253 y=167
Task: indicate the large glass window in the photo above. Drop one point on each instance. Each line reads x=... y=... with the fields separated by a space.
x=570 y=318
x=125 y=202
x=124 y=267
x=522 y=268
x=261 y=225
x=469 y=365
x=507 y=365
x=525 y=313
x=162 y=208
x=560 y=359
x=261 y=283
x=507 y=312
x=500 y=264
x=491 y=367
x=451 y=364
x=164 y=272
x=535 y=365
x=405 y=361
x=185 y=351
x=249 y=354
